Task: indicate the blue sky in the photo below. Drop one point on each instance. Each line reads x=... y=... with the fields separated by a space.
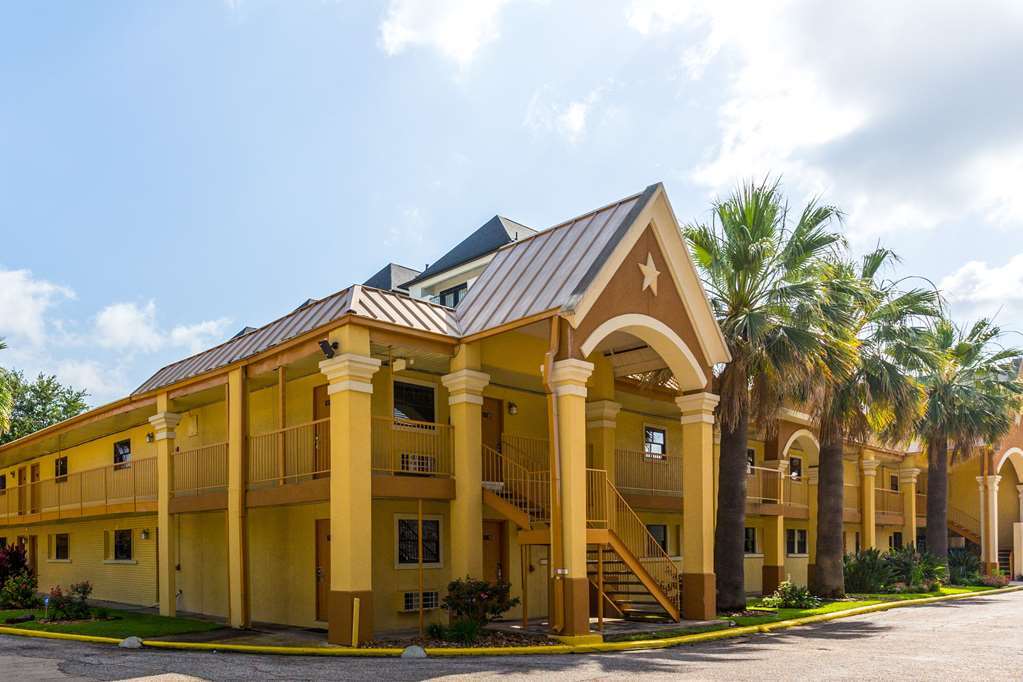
x=172 y=172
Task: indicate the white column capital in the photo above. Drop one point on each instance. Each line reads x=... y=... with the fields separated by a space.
x=782 y=465
x=909 y=475
x=601 y=414
x=869 y=466
x=569 y=377
x=465 y=386
x=349 y=372
x=1019 y=489
x=164 y=424
x=697 y=407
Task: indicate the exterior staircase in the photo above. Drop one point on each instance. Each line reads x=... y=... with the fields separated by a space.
x=1005 y=561
x=964 y=524
x=625 y=564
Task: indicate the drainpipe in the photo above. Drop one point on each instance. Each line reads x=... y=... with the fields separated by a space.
x=557 y=558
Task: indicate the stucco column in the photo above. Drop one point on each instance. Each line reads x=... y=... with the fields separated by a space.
x=600 y=432
x=907 y=484
x=868 y=469
x=991 y=502
x=465 y=386
x=773 y=570
x=164 y=423
x=982 y=491
x=568 y=381
x=812 y=480
x=237 y=430
x=349 y=377
x=699 y=586
x=1019 y=491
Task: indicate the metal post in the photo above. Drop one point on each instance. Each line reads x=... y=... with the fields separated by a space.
x=524 y=570
x=281 y=421
x=600 y=587
x=420 y=534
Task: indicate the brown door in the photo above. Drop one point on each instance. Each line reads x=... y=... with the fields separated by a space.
x=321 y=444
x=30 y=551
x=322 y=568
x=22 y=491
x=35 y=488
x=494 y=561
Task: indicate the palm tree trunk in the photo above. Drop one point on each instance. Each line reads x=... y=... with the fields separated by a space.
x=937 y=497
x=829 y=574
x=729 y=555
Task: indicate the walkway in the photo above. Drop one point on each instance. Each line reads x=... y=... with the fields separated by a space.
x=979 y=638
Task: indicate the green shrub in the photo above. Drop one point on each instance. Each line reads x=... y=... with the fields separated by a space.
x=13 y=561
x=71 y=605
x=19 y=591
x=464 y=631
x=915 y=571
x=963 y=567
x=436 y=631
x=868 y=572
x=477 y=601
x=789 y=596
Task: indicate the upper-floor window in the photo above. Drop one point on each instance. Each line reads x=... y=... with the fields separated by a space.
x=796 y=468
x=655 y=442
x=894 y=482
x=60 y=468
x=122 y=453
x=751 y=457
x=414 y=401
x=451 y=297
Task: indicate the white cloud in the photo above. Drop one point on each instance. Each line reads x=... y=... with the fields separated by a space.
x=197 y=337
x=24 y=302
x=568 y=119
x=127 y=326
x=980 y=289
x=861 y=101
x=103 y=383
x=408 y=231
x=455 y=28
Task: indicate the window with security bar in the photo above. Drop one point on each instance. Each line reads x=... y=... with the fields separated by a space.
x=408 y=542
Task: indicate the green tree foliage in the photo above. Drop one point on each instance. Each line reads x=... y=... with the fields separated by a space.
x=36 y=404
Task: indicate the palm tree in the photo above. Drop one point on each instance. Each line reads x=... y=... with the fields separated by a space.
x=6 y=397
x=870 y=390
x=972 y=396
x=760 y=272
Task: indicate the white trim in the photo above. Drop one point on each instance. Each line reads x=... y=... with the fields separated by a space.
x=440 y=540
x=349 y=385
x=801 y=433
x=661 y=338
x=794 y=416
x=1014 y=455
x=122 y=562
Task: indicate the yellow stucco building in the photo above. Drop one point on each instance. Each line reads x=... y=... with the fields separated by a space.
x=535 y=407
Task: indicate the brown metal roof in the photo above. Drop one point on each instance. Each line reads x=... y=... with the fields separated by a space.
x=548 y=270
x=375 y=304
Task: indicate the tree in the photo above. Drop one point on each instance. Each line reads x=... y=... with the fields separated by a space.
x=870 y=391
x=38 y=404
x=6 y=398
x=760 y=272
x=973 y=394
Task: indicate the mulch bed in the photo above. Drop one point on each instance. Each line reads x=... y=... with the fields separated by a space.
x=486 y=639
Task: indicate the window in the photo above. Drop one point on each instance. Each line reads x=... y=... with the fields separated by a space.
x=122 y=545
x=660 y=533
x=3 y=481
x=655 y=442
x=795 y=541
x=750 y=541
x=413 y=401
x=62 y=547
x=60 y=469
x=451 y=297
x=751 y=457
x=408 y=541
x=796 y=468
x=894 y=482
x=895 y=540
x=122 y=454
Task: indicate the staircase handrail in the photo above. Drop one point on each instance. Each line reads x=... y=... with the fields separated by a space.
x=531 y=486
x=958 y=516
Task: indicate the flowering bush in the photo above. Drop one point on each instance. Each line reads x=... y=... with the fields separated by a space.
x=995 y=580
x=478 y=601
x=19 y=592
x=72 y=605
x=13 y=561
x=790 y=596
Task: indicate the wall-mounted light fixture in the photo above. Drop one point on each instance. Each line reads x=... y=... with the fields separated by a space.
x=513 y=409
x=150 y=437
x=401 y=364
x=145 y=533
x=328 y=349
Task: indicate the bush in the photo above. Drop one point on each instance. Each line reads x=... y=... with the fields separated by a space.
x=789 y=596
x=916 y=571
x=867 y=572
x=436 y=631
x=477 y=601
x=72 y=605
x=963 y=567
x=994 y=580
x=464 y=631
x=20 y=592
x=13 y=561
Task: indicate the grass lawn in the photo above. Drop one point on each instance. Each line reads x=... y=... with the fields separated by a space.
x=123 y=624
x=855 y=601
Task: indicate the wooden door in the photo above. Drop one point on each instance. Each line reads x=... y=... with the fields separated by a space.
x=494 y=561
x=33 y=556
x=493 y=422
x=34 y=475
x=22 y=491
x=322 y=568
x=321 y=445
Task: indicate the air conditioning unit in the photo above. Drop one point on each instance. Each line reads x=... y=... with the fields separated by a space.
x=410 y=601
x=415 y=463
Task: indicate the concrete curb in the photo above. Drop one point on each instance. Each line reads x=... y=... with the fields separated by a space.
x=603 y=647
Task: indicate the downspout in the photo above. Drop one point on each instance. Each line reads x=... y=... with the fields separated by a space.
x=557 y=558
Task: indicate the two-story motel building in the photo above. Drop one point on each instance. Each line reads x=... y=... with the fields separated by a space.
x=535 y=407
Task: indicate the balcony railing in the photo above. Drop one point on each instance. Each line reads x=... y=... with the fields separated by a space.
x=638 y=472
x=116 y=488
x=290 y=455
x=406 y=447
x=763 y=485
x=200 y=470
x=527 y=451
x=888 y=501
x=851 y=497
x=921 y=504
x=530 y=491
x=796 y=493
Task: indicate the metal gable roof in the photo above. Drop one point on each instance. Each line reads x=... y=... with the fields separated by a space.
x=375 y=304
x=548 y=270
x=489 y=237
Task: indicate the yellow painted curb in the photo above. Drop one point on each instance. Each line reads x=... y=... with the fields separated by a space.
x=602 y=647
